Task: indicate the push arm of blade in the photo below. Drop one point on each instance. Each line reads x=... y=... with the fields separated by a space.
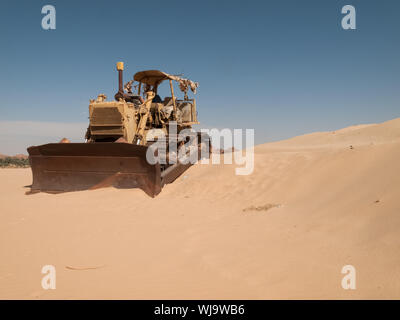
x=144 y=114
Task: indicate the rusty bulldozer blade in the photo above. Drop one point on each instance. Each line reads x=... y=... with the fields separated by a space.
x=59 y=167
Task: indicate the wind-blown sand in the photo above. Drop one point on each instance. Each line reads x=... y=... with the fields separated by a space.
x=312 y=205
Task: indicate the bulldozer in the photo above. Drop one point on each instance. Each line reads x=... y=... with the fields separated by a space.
x=126 y=140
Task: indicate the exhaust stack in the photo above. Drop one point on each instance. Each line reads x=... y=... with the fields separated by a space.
x=120 y=93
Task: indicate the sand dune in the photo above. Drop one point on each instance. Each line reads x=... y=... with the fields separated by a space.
x=367 y=134
x=313 y=204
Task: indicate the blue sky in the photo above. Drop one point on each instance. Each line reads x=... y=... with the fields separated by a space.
x=282 y=67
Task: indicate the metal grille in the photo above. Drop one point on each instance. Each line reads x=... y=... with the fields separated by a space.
x=109 y=116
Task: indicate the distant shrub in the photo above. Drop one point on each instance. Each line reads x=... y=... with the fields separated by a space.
x=9 y=162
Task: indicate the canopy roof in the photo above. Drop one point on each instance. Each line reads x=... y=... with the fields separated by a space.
x=155 y=77
x=152 y=77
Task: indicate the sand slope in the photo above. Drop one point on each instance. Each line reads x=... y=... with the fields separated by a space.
x=203 y=236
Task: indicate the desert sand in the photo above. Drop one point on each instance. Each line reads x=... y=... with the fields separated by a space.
x=313 y=204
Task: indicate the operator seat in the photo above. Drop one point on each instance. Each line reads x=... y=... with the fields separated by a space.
x=157 y=99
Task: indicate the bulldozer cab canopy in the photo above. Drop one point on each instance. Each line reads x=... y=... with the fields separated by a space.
x=152 y=77
x=155 y=77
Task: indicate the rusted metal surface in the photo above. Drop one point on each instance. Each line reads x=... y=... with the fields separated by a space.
x=60 y=167
x=170 y=174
